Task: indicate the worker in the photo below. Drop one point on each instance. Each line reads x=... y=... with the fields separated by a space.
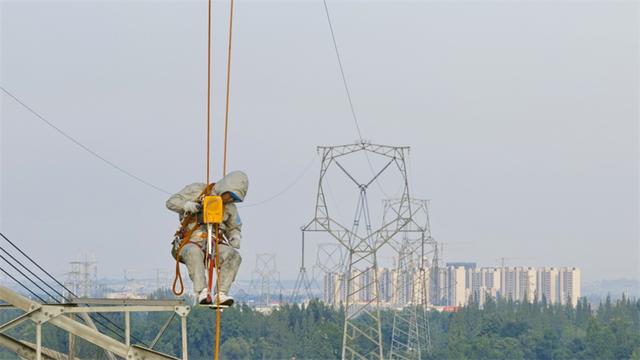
x=233 y=189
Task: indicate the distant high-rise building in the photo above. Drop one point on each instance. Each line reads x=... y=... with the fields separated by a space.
x=491 y=280
x=484 y=282
x=385 y=277
x=569 y=285
x=457 y=286
x=526 y=284
x=333 y=288
x=547 y=284
x=518 y=283
x=439 y=286
x=510 y=282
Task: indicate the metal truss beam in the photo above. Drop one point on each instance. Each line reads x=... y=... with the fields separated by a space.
x=62 y=317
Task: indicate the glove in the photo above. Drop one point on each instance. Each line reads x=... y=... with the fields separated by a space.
x=191 y=207
x=235 y=241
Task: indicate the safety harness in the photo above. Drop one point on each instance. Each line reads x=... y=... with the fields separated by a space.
x=188 y=226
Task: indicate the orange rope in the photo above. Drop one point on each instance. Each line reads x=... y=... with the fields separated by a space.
x=209 y=94
x=217 y=263
x=218 y=312
x=226 y=113
x=224 y=172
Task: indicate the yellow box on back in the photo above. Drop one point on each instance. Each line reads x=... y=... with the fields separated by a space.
x=212 y=209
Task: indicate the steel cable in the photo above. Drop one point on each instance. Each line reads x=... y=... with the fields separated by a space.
x=81 y=145
x=28 y=278
x=63 y=287
x=348 y=92
x=21 y=284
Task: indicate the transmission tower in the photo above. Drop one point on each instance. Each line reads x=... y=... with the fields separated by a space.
x=266 y=277
x=416 y=250
x=83 y=277
x=362 y=337
x=303 y=284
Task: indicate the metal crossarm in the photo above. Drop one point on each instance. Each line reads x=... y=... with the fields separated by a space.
x=62 y=317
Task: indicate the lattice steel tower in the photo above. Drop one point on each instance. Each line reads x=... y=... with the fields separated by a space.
x=416 y=251
x=266 y=277
x=362 y=338
x=83 y=277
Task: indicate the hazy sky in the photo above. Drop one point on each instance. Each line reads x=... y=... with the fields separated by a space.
x=522 y=118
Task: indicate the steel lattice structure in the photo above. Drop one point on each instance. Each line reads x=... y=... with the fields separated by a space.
x=303 y=283
x=362 y=338
x=64 y=316
x=266 y=277
x=416 y=252
x=330 y=261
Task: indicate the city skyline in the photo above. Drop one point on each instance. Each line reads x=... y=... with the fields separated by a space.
x=455 y=286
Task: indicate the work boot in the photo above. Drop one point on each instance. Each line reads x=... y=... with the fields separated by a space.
x=203 y=298
x=225 y=300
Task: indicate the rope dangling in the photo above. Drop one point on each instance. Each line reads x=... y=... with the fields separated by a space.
x=184 y=235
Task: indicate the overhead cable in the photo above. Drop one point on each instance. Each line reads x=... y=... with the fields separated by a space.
x=93 y=317
x=32 y=273
x=287 y=188
x=28 y=278
x=50 y=288
x=348 y=92
x=344 y=78
x=34 y=263
x=82 y=146
x=21 y=284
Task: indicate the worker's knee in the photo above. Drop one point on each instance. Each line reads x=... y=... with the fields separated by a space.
x=191 y=254
x=227 y=253
x=237 y=259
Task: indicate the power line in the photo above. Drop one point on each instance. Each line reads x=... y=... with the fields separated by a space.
x=115 y=166
x=21 y=284
x=50 y=288
x=34 y=263
x=54 y=290
x=287 y=188
x=82 y=146
x=28 y=278
x=346 y=88
x=30 y=272
x=344 y=78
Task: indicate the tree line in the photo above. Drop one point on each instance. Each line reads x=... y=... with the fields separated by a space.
x=500 y=329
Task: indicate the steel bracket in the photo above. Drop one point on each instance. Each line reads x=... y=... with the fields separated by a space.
x=45 y=313
x=182 y=310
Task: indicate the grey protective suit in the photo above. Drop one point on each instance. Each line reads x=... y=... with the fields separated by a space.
x=193 y=253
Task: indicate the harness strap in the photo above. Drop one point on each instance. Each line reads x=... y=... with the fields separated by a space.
x=184 y=232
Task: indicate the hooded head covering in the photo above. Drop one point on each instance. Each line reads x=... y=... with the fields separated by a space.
x=236 y=183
